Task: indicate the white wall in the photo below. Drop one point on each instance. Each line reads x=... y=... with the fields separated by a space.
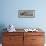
x=9 y=13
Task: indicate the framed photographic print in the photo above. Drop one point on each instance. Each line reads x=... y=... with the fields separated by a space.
x=26 y=13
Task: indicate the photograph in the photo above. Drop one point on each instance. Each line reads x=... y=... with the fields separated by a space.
x=26 y=13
